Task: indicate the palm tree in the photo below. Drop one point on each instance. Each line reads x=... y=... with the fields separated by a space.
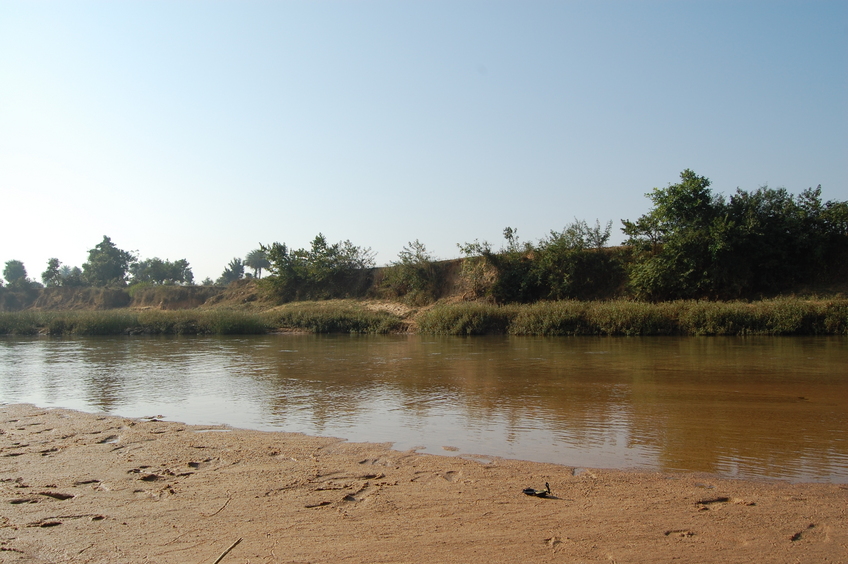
x=257 y=260
x=233 y=272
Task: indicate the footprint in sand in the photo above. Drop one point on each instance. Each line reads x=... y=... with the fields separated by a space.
x=452 y=475
x=704 y=504
x=363 y=493
x=377 y=462
x=205 y=463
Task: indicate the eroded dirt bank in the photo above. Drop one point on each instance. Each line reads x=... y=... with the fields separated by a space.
x=91 y=488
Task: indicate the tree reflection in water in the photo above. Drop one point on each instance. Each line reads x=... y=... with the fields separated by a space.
x=748 y=407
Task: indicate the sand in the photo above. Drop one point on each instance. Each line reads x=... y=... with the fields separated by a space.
x=80 y=487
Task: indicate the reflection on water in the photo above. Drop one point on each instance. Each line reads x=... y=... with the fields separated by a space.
x=746 y=407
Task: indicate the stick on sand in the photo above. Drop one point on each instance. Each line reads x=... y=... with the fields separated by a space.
x=223 y=554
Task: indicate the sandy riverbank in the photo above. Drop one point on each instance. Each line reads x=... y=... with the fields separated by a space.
x=91 y=488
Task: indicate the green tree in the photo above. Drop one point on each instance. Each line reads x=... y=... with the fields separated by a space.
x=233 y=272
x=675 y=244
x=71 y=276
x=780 y=240
x=15 y=274
x=257 y=260
x=570 y=265
x=597 y=237
x=52 y=276
x=414 y=275
x=323 y=271
x=503 y=275
x=693 y=244
x=107 y=264
x=158 y=271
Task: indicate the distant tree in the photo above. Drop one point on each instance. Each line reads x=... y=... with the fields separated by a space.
x=107 y=264
x=597 y=237
x=323 y=271
x=511 y=236
x=71 y=276
x=776 y=239
x=52 y=276
x=158 y=271
x=694 y=244
x=15 y=274
x=675 y=240
x=233 y=272
x=257 y=260
x=207 y=282
x=569 y=264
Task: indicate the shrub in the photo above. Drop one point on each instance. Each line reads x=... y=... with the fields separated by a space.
x=467 y=319
x=332 y=317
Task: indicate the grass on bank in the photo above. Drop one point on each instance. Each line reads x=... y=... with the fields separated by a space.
x=785 y=316
x=128 y=322
x=317 y=317
x=331 y=317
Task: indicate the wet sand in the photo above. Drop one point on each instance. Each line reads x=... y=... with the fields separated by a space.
x=83 y=488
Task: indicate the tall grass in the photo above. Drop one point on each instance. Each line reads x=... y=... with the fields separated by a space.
x=467 y=319
x=314 y=317
x=332 y=317
x=126 y=322
x=19 y=323
x=786 y=316
x=200 y=322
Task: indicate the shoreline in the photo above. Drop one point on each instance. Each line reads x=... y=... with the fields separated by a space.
x=80 y=487
x=439 y=449
x=780 y=316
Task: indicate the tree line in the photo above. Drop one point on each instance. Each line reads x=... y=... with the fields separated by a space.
x=691 y=244
x=108 y=265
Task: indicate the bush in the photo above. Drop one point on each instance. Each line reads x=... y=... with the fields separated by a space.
x=321 y=272
x=332 y=317
x=467 y=319
x=414 y=278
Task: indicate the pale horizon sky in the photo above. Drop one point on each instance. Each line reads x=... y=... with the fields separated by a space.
x=199 y=130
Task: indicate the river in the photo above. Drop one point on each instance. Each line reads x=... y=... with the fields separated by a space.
x=759 y=407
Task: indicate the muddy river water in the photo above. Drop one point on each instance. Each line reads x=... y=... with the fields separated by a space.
x=744 y=407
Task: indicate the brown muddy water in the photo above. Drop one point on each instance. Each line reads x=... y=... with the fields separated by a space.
x=760 y=407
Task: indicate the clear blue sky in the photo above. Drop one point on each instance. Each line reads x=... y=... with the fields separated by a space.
x=197 y=130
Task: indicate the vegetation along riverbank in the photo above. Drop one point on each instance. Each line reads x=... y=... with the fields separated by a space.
x=784 y=316
x=698 y=263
